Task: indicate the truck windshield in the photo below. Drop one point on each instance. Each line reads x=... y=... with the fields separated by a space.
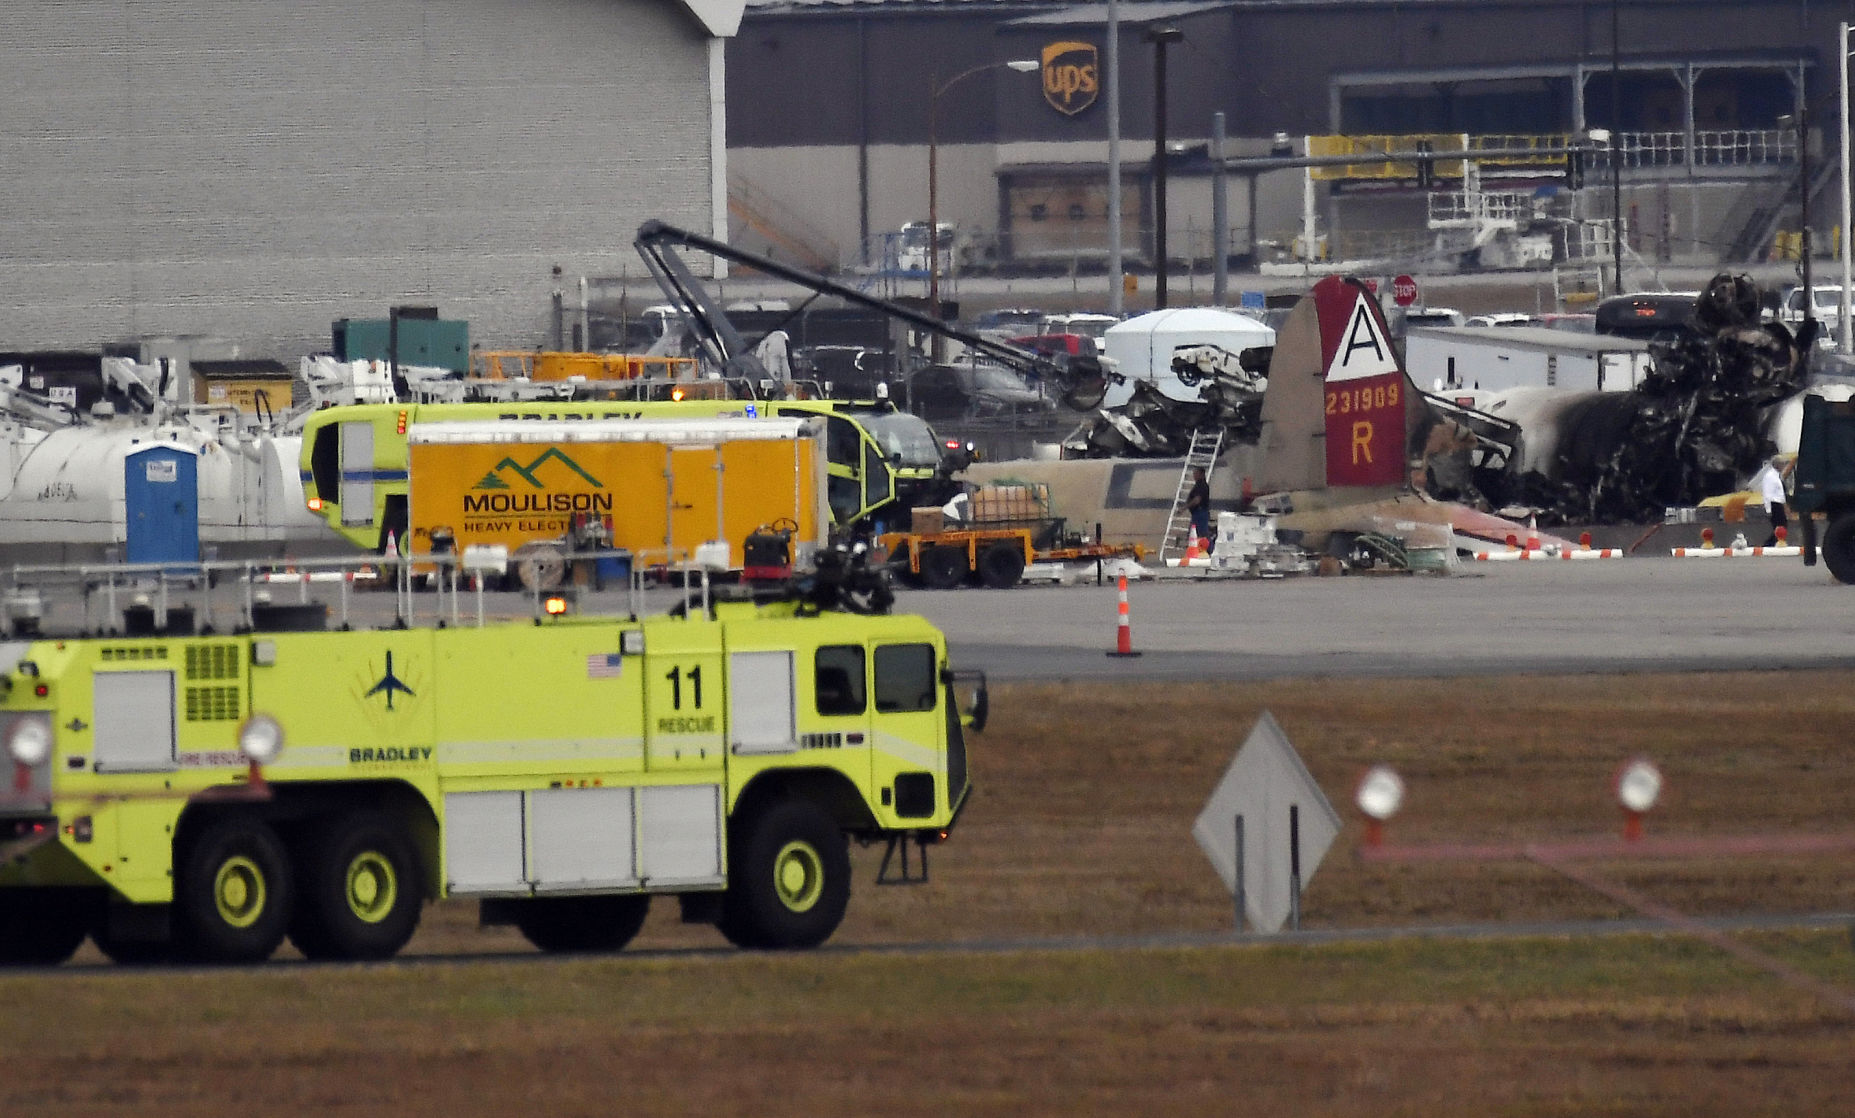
x=899 y=433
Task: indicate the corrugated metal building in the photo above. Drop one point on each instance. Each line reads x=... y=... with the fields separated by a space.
x=255 y=170
x=831 y=116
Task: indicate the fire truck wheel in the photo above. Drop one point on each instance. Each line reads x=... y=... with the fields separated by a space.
x=131 y=952
x=40 y=927
x=788 y=878
x=943 y=568
x=605 y=923
x=1001 y=566
x=1838 y=547
x=359 y=893
x=232 y=896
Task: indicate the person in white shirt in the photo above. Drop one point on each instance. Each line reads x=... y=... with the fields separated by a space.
x=1769 y=482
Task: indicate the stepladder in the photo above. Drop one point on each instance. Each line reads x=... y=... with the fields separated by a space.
x=1206 y=444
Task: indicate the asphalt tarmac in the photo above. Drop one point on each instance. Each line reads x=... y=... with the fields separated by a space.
x=1618 y=615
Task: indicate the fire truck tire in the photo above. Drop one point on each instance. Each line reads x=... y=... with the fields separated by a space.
x=232 y=896
x=1838 y=547
x=788 y=878
x=132 y=952
x=358 y=890
x=1001 y=566
x=40 y=927
x=604 y=923
x=943 y=568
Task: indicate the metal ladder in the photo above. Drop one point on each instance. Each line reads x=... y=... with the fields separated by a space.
x=1206 y=443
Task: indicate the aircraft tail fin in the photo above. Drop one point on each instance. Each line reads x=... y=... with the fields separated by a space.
x=1339 y=410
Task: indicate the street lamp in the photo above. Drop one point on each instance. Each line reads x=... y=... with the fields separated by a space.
x=1020 y=65
x=1160 y=37
x=1846 y=339
x=1801 y=121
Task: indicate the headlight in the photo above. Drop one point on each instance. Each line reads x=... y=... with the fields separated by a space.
x=29 y=741
x=260 y=738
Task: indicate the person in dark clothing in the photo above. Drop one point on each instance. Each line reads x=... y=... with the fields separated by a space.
x=1198 y=503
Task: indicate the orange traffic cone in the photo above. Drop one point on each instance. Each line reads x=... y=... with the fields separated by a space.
x=392 y=547
x=1532 y=535
x=1123 y=632
x=1191 y=551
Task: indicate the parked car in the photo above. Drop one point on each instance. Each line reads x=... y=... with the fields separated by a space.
x=1084 y=323
x=974 y=390
x=1008 y=322
x=1826 y=303
x=1502 y=318
x=1648 y=315
x=1428 y=316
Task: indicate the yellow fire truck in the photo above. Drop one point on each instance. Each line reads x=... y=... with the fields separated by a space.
x=564 y=768
x=356 y=460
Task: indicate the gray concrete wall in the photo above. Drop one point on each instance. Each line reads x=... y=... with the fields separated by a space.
x=255 y=170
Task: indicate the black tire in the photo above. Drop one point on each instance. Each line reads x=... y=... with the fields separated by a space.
x=132 y=952
x=233 y=895
x=602 y=923
x=1001 y=566
x=1838 y=547
x=788 y=877
x=42 y=927
x=943 y=568
x=359 y=891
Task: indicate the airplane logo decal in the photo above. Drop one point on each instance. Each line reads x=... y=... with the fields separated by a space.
x=530 y=472
x=389 y=683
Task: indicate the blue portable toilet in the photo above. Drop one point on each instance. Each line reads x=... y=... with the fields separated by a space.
x=161 y=489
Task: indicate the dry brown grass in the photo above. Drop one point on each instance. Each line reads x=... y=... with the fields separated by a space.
x=1081 y=827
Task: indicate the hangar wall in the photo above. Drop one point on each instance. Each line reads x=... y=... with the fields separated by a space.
x=255 y=170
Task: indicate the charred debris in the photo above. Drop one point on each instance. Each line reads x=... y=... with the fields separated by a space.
x=1694 y=426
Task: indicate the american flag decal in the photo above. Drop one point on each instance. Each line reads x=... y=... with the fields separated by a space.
x=603 y=665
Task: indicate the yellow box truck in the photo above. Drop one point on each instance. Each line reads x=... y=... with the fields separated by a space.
x=659 y=489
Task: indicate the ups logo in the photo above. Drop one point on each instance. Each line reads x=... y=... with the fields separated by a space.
x=1070 y=76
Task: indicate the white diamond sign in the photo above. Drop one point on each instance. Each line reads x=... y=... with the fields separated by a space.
x=1287 y=824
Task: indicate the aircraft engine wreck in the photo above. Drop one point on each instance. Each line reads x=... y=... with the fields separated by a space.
x=1695 y=426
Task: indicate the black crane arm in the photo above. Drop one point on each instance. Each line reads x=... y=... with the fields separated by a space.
x=1081 y=379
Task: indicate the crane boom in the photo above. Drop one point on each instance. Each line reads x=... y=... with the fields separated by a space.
x=1081 y=379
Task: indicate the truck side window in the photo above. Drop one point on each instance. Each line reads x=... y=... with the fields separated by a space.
x=875 y=478
x=843 y=442
x=837 y=679
x=905 y=678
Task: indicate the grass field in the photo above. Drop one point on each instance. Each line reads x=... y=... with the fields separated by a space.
x=1081 y=827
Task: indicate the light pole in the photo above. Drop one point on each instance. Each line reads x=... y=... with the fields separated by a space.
x=1616 y=153
x=1111 y=88
x=1020 y=65
x=1846 y=339
x=1160 y=37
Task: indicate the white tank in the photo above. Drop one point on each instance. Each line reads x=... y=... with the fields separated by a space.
x=66 y=487
x=1142 y=346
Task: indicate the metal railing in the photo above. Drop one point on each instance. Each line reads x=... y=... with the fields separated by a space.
x=1738 y=147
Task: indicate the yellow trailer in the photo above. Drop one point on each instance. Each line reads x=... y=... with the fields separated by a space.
x=664 y=490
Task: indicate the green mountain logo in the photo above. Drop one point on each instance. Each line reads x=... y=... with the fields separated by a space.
x=530 y=473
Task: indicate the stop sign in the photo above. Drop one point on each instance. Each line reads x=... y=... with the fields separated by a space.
x=1404 y=291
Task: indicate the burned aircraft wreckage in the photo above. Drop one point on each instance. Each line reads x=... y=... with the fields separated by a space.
x=1695 y=426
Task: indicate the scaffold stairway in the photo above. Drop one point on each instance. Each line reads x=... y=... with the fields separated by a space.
x=1206 y=444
